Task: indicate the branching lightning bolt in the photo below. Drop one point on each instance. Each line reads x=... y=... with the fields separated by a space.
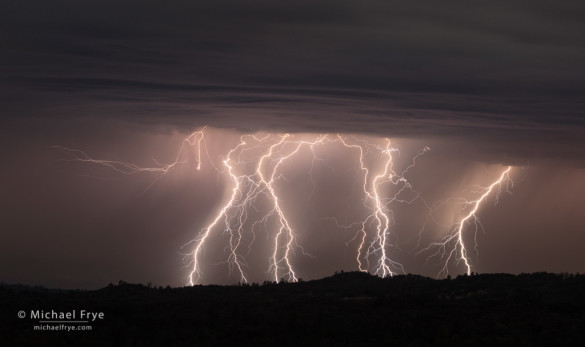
x=378 y=206
x=255 y=168
x=458 y=250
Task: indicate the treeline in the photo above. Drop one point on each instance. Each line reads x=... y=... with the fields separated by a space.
x=349 y=308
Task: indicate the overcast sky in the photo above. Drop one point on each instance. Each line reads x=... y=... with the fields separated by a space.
x=488 y=84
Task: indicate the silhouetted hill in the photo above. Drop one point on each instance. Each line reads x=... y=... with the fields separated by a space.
x=350 y=308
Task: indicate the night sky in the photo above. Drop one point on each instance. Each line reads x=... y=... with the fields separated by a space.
x=484 y=86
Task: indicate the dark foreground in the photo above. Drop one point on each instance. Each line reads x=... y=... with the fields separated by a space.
x=346 y=309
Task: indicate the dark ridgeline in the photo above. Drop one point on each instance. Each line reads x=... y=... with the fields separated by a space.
x=349 y=308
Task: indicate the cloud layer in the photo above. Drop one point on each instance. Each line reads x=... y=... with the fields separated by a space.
x=505 y=74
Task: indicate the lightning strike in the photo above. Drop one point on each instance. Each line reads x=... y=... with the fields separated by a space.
x=455 y=237
x=255 y=169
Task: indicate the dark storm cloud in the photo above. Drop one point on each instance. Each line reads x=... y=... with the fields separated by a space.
x=512 y=69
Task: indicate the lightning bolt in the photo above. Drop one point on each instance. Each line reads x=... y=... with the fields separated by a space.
x=255 y=167
x=458 y=250
x=194 y=140
x=192 y=143
x=284 y=227
x=247 y=189
x=200 y=241
x=379 y=206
